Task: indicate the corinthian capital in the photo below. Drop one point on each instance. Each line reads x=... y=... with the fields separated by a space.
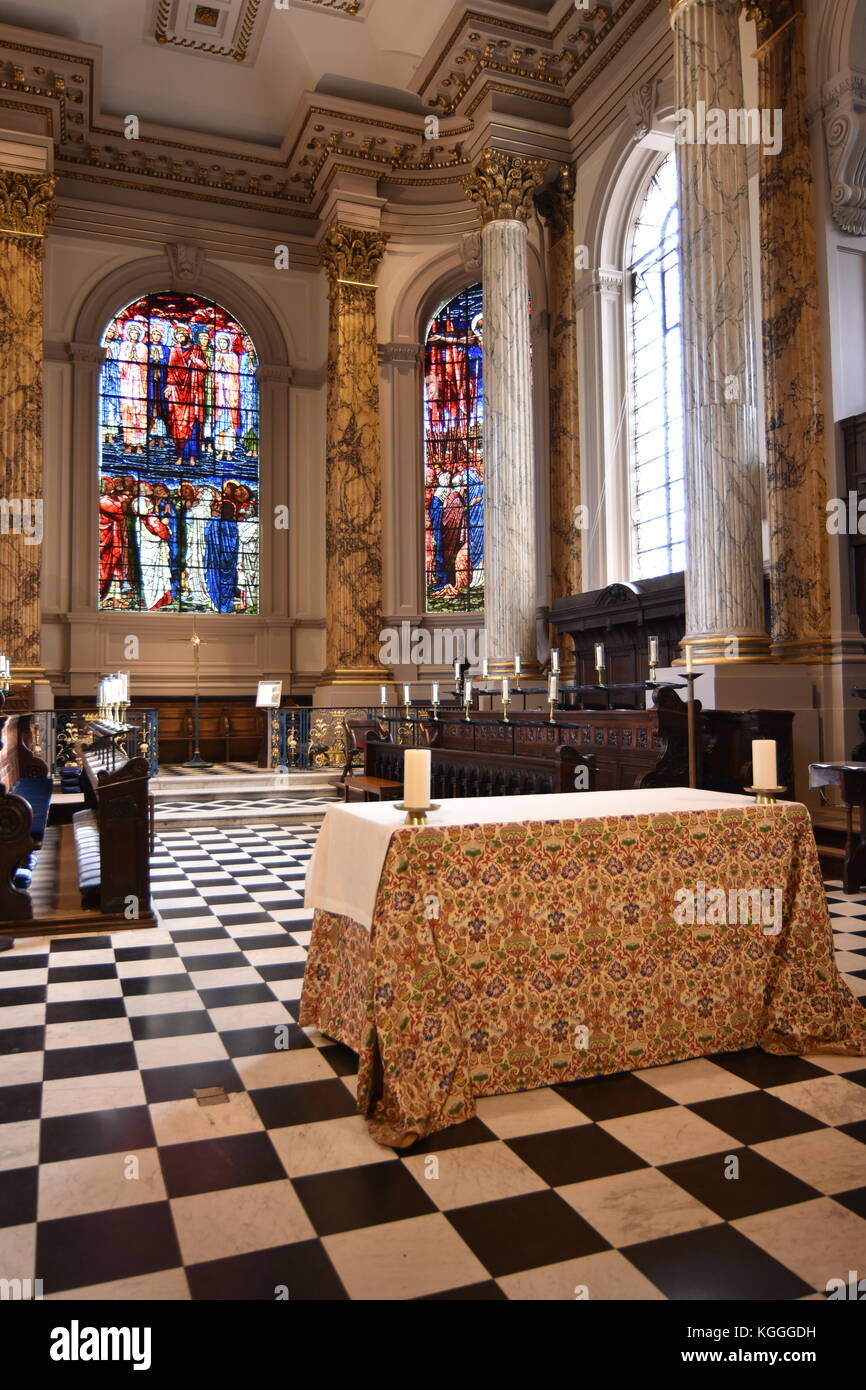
x=26 y=202
x=351 y=254
x=502 y=185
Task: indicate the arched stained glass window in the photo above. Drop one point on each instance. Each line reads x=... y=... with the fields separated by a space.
x=454 y=456
x=178 y=460
x=656 y=382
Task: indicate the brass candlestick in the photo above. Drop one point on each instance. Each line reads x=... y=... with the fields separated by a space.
x=416 y=815
x=551 y=701
x=506 y=701
x=765 y=796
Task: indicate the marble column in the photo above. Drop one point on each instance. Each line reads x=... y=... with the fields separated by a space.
x=793 y=382
x=556 y=205
x=351 y=257
x=502 y=187
x=724 y=575
x=26 y=204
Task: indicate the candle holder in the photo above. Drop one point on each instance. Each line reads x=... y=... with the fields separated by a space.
x=506 y=701
x=467 y=705
x=551 y=702
x=416 y=815
x=691 y=677
x=653 y=667
x=435 y=707
x=383 y=708
x=765 y=796
x=599 y=671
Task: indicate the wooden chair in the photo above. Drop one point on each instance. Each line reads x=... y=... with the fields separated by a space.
x=356 y=732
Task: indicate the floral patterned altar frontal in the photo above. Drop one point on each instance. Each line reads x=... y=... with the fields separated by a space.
x=179 y=460
x=508 y=956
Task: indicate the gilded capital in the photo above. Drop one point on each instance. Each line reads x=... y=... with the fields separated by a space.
x=26 y=202
x=502 y=185
x=351 y=254
x=556 y=203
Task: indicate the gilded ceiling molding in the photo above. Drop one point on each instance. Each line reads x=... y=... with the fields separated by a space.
x=556 y=203
x=204 y=16
x=26 y=203
x=347 y=7
x=502 y=185
x=351 y=255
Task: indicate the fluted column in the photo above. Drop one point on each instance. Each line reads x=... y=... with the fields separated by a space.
x=556 y=205
x=724 y=575
x=351 y=257
x=793 y=384
x=26 y=204
x=502 y=187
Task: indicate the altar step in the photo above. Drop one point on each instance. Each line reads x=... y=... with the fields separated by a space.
x=254 y=798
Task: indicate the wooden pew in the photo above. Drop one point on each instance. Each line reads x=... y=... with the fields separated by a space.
x=113 y=834
x=25 y=798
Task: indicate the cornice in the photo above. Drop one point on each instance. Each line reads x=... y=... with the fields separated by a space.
x=550 y=63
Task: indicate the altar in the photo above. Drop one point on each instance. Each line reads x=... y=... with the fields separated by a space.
x=520 y=942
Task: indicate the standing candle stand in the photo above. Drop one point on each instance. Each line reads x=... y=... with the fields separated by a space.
x=196 y=761
x=691 y=677
x=467 y=697
x=506 y=699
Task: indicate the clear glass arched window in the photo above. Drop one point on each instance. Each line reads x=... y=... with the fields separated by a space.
x=454 y=456
x=657 y=444
x=178 y=460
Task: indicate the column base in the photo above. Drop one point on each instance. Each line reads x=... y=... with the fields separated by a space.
x=714 y=649
x=350 y=689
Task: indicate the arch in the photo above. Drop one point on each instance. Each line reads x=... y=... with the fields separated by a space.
x=601 y=302
x=152 y=275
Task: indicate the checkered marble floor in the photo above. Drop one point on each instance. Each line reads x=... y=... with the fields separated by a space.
x=203 y=812
x=116 y=1183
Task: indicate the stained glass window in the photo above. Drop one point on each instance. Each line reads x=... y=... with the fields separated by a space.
x=454 y=456
x=657 y=441
x=178 y=460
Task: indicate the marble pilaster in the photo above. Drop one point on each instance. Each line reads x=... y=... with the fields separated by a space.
x=26 y=204
x=800 y=617
x=724 y=576
x=351 y=257
x=502 y=187
x=556 y=206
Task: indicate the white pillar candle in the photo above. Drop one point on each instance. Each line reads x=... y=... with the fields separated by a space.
x=764 y=770
x=383 y=695
x=552 y=688
x=467 y=692
x=484 y=668
x=505 y=687
x=653 y=651
x=435 y=692
x=517 y=663
x=599 y=656
x=407 y=699
x=554 y=661
x=457 y=673
x=416 y=778
x=690 y=660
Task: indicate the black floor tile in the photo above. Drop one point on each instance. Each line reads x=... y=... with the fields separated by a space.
x=760 y=1186
x=369 y=1195
x=754 y=1117
x=212 y=1165
x=855 y=1201
x=89 y=1061
x=22 y=1102
x=84 y=1010
x=96 y=1132
x=19 y=1188
x=232 y=995
x=766 y=1069
x=342 y=1059
x=18 y=1040
x=303 y=1103
x=470 y=1293
x=528 y=1232
x=168 y=1025
x=156 y=984
x=180 y=1082
x=303 y=1271
x=715 y=1262
x=77 y=1251
x=562 y=1156
x=252 y=1042
x=609 y=1097
x=75 y=974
